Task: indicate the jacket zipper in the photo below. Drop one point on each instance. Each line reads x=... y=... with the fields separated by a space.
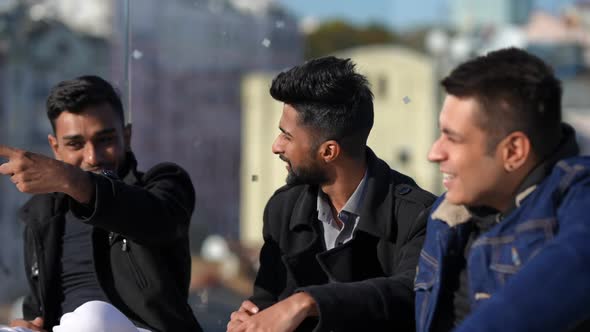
x=139 y=277
x=36 y=269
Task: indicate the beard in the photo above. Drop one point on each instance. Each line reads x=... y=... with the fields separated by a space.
x=312 y=173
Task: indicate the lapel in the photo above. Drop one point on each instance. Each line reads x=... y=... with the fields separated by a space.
x=306 y=240
x=376 y=213
x=357 y=259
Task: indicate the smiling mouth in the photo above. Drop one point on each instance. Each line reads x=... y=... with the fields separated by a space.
x=98 y=169
x=447 y=179
x=447 y=176
x=286 y=161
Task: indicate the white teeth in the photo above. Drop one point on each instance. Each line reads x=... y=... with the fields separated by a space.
x=447 y=176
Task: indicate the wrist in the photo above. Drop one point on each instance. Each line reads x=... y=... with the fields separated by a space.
x=79 y=185
x=306 y=304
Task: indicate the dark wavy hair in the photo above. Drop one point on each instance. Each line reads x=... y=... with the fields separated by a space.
x=331 y=98
x=77 y=94
x=517 y=91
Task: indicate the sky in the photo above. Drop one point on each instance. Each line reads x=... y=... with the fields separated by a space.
x=398 y=14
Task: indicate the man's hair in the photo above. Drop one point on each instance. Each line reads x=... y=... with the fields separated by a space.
x=517 y=91
x=77 y=94
x=332 y=99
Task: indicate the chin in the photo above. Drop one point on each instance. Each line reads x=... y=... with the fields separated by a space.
x=456 y=199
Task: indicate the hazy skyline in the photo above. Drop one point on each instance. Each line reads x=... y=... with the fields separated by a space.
x=397 y=14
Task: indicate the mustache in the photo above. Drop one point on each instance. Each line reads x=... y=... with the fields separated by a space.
x=283 y=158
x=98 y=168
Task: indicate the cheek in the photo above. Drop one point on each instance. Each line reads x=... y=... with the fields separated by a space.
x=113 y=153
x=483 y=174
x=291 y=152
x=72 y=157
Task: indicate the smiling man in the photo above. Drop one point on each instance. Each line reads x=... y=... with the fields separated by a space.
x=98 y=229
x=341 y=239
x=507 y=245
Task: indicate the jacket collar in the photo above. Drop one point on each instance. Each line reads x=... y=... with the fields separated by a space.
x=128 y=171
x=567 y=147
x=451 y=214
x=376 y=205
x=458 y=214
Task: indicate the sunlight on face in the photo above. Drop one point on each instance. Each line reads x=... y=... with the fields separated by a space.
x=92 y=140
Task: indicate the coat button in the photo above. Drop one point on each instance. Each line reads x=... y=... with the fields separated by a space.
x=404 y=190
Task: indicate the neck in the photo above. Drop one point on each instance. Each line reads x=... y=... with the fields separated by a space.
x=347 y=177
x=505 y=200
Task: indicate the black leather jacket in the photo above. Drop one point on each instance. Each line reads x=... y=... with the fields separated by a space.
x=140 y=246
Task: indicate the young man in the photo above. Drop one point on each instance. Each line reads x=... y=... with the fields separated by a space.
x=507 y=245
x=341 y=239
x=97 y=228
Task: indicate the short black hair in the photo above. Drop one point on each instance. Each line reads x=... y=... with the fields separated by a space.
x=331 y=98
x=79 y=93
x=517 y=91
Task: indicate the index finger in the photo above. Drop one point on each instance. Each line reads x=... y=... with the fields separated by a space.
x=7 y=151
x=249 y=306
x=239 y=316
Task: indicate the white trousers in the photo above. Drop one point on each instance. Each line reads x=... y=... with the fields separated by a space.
x=92 y=316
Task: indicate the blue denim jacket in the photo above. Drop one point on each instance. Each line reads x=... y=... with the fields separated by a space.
x=531 y=271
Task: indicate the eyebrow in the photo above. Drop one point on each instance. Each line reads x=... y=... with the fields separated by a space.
x=103 y=132
x=450 y=132
x=285 y=132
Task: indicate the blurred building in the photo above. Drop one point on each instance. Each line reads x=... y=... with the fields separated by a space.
x=576 y=108
x=468 y=14
x=406 y=117
x=187 y=62
x=261 y=172
x=478 y=27
x=563 y=41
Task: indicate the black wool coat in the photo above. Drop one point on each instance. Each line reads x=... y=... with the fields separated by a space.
x=365 y=284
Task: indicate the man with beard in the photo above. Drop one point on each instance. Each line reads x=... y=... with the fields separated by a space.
x=98 y=229
x=342 y=238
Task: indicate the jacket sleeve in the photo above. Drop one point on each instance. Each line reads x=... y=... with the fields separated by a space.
x=551 y=292
x=157 y=211
x=374 y=304
x=270 y=279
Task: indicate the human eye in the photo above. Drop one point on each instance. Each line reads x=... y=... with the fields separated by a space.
x=74 y=145
x=285 y=136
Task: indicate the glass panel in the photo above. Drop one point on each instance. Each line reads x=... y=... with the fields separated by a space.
x=194 y=76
